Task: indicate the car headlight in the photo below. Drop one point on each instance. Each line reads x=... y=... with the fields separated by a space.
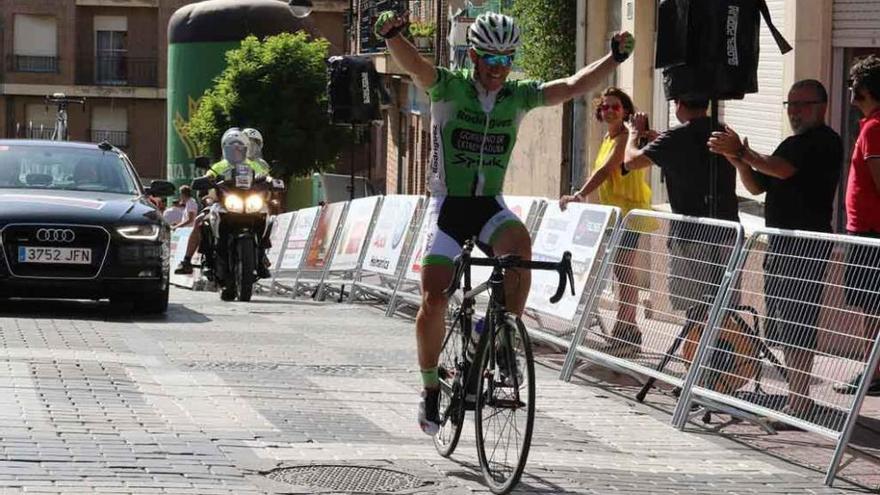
x=149 y=232
x=233 y=203
x=254 y=203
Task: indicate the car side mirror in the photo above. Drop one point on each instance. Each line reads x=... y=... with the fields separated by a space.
x=202 y=162
x=161 y=188
x=278 y=184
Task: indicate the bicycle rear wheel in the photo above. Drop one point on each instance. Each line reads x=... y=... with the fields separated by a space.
x=505 y=410
x=451 y=369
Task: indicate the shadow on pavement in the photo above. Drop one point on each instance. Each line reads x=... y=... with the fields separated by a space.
x=93 y=310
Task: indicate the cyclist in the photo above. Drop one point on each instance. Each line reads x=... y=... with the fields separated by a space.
x=235 y=150
x=475 y=115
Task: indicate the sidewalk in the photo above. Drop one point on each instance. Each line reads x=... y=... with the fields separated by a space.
x=218 y=394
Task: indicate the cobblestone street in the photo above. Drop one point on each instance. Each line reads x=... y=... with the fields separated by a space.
x=213 y=397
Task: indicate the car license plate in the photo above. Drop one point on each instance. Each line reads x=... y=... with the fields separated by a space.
x=67 y=256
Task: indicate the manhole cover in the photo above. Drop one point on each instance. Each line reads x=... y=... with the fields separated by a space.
x=351 y=479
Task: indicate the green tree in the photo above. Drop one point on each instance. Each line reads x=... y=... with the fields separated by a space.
x=549 y=30
x=278 y=86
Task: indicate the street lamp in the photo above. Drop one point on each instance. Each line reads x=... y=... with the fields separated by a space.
x=300 y=8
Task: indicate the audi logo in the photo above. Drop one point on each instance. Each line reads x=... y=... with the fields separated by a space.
x=55 y=235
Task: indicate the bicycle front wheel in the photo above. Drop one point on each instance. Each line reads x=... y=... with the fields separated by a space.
x=505 y=409
x=451 y=369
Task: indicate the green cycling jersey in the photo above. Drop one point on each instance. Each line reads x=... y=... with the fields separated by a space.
x=473 y=132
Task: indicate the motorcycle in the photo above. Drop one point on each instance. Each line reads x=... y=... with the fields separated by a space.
x=236 y=230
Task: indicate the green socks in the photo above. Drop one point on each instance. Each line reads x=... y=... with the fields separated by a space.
x=430 y=378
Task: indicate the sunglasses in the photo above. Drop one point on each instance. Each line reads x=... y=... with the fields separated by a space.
x=495 y=59
x=613 y=106
x=800 y=104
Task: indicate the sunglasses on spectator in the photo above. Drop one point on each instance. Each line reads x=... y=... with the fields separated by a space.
x=800 y=104
x=496 y=59
x=613 y=106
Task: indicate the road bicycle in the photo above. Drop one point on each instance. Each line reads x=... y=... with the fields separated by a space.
x=490 y=370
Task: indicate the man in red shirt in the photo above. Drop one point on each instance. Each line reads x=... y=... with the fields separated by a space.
x=862 y=275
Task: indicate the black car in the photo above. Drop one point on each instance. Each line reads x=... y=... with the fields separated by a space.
x=76 y=223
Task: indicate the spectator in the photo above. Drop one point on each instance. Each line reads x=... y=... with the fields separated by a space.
x=628 y=192
x=174 y=213
x=684 y=158
x=863 y=209
x=190 y=208
x=800 y=180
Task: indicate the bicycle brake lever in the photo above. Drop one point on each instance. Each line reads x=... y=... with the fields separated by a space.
x=565 y=275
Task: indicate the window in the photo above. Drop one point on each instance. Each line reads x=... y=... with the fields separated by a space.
x=110 y=124
x=64 y=168
x=35 y=43
x=111 y=50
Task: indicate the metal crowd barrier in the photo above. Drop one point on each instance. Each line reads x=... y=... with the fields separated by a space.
x=391 y=240
x=293 y=250
x=801 y=338
x=689 y=258
x=584 y=230
x=347 y=259
x=319 y=251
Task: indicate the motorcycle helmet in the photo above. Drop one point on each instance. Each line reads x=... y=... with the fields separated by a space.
x=234 y=145
x=255 y=143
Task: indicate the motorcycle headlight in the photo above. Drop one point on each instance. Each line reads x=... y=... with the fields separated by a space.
x=233 y=203
x=139 y=232
x=254 y=203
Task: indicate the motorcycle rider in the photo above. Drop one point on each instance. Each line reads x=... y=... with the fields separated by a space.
x=234 y=145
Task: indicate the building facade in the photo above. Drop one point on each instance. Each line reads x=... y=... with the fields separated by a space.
x=113 y=53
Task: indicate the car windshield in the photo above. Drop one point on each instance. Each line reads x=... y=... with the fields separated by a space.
x=66 y=168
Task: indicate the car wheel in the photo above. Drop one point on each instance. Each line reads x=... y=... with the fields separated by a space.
x=152 y=303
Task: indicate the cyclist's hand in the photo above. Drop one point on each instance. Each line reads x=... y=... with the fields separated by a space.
x=622 y=45
x=389 y=24
x=568 y=198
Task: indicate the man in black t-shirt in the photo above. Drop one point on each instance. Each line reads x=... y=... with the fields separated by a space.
x=698 y=253
x=800 y=180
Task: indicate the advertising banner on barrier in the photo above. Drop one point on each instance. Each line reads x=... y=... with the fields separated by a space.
x=323 y=238
x=414 y=270
x=276 y=237
x=299 y=235
x=354 y=233
x=521 y=206
x=579 y=229
x=179 y=238
x=386 y=245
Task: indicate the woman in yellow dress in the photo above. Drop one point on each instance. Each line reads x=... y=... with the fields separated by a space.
x=630 y=191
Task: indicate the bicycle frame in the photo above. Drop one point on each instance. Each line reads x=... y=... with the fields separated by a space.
x=496 y=309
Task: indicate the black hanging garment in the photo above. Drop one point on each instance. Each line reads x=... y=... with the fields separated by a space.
x=708 y=49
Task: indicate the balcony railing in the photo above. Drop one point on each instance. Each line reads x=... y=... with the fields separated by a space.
x=32 y=63
x=30 y=130
x=118 y=71
x=116 y=138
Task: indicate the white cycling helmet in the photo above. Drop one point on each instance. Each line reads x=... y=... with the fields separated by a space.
x=494 y=32
x=234 y=145
x=255 y=143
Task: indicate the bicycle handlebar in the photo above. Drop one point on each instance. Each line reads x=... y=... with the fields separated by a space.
x=465 y=261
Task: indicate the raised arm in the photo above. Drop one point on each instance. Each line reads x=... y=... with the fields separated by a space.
x=612 y=161
x=562 y=90
x=389 y=25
